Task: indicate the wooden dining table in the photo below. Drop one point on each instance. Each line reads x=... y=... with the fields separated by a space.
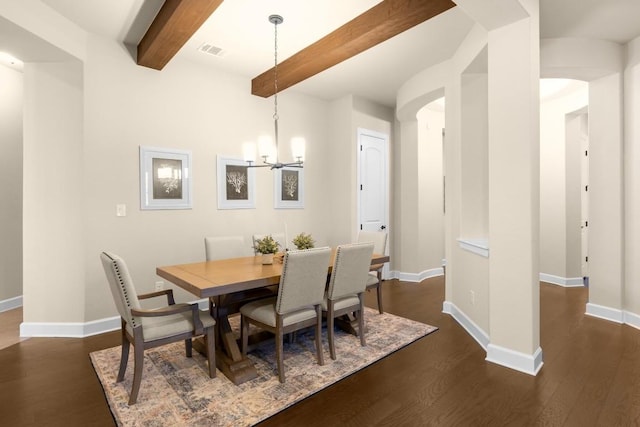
x=230 y=283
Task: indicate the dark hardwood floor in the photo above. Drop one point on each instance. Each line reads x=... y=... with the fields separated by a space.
x=591 y=375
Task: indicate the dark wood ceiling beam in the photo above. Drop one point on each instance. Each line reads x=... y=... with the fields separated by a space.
x=174 y=24
x=382 y=22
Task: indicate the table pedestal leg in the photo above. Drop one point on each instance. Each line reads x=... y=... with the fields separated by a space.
x=349 y=323
x=229 y=357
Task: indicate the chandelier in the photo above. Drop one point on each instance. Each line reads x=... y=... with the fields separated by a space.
x=268 y=152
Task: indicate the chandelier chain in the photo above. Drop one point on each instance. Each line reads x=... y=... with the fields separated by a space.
x=275 y=84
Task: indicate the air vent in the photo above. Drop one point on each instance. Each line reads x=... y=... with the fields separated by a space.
x=210 y=49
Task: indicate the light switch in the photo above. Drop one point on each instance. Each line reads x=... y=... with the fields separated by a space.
x=121 y=210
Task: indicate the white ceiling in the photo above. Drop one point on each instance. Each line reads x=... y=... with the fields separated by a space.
x=242 y=30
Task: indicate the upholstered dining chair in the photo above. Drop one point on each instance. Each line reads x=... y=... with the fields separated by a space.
x=278 y=237
x=298 y=304
x=374 y=281
x=346 y=288
x=148 y=328
x=221 y=247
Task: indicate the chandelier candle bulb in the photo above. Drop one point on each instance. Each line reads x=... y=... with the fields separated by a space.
x=298 y=147
x=264 y=147
x=249 y=152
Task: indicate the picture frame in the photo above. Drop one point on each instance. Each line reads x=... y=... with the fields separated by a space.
x=165 y=178
x=236 y=184
x=288 y=188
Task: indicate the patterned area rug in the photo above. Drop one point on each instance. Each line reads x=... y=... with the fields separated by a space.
x=177 y=391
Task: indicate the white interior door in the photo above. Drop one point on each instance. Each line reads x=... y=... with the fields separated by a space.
x=373 y=183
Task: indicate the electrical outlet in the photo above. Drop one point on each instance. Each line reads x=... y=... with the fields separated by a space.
x=159 y=285
x=473 y=297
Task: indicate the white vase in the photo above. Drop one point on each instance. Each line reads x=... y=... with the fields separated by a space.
x=267 y=259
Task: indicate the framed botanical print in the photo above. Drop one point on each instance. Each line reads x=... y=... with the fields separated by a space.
x=165 y=178
x=236 y=184
x=289 y=188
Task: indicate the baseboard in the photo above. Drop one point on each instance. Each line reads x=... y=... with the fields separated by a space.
x=417 y=277
x=567 y=282
x=69 y=329
x=631 y=319
x=469 y=325
x=11 y=303
x=527 y=363
x=606 y=313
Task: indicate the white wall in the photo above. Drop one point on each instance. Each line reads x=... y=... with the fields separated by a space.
x=555 y=228
x=345 y=116
x=465 y=271
x=577 y=137
x=611 y=182
x=186 y=106
x=341 y=144
x=606 y=233
x=431 y=122
x=54 y=184
x=474 y=222
x=11 y=95
x=632 y=180
x=417 y=178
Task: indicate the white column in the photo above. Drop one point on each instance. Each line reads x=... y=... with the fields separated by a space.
x=407 y=239
x=53 y=210
x=632 y=183
x=514 y=179
x=606 y=228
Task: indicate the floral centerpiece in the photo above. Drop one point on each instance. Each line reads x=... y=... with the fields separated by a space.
x=303 y=241
x=266 y=246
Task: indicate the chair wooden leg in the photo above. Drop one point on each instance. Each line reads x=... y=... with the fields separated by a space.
x=379 y=291
x=330 y=330
x=244 y=334
x=138 y=362
x=188 y=347
x=319 y=335
x=210 y=339
x=124 y=355
x=279 y=347
x=361 y=320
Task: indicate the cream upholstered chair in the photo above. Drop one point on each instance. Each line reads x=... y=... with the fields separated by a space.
x=346 y=287
x=278 y=237
x=298 y=304
x=152 y=328
x=221 y=247
x=379 y=240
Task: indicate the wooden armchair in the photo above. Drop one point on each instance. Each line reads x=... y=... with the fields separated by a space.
x=155 y=327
